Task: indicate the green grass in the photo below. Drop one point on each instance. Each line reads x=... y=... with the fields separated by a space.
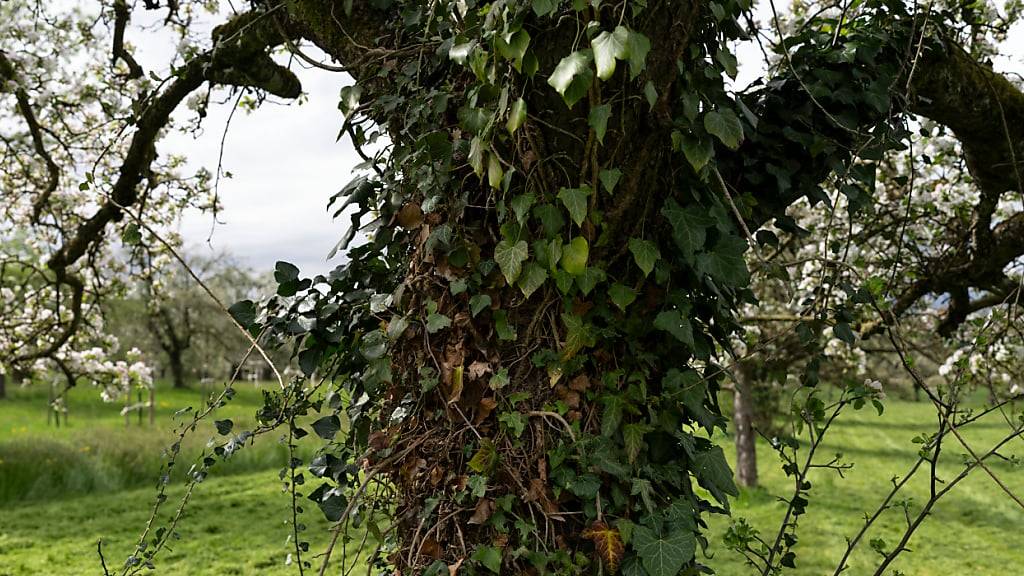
x=97 y=453
x=62 y=489
x=975 y=529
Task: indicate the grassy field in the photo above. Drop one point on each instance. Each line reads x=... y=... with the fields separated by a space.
x=62 y=489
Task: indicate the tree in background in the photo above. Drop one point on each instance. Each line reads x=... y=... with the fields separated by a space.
x=559 y=205
x=184 y=332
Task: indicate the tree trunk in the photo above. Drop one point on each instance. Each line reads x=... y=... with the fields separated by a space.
x=743 y=419
x=177 y=367
x=3 y=385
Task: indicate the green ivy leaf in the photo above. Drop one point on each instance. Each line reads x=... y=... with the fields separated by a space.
x=663 y=555
x=698 y=151
x=727 y=60
x=607 y=47
x=327 y=426
x=689 y=226
x=677 y=323
x=598 y=120
x=590 y=278
x=478 y=302
x=713 y=472
x=575 y=200
x=622 y=296
x=573 y=76
x=510 y=257
x=502 y=327
x=645 y=254
x=544 y=7
x=494 y=171
x=639 y=46
x=533 y=277
x=437 y=322
x=513 y=46
x=633 y=439
x=516 y=116
x=575 y=255
x=610 y=179
x=521 y=205
x=459 y=53
x=725 y=125
x=578 y=335
x=725 y=261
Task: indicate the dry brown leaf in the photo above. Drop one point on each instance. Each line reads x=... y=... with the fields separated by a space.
x=410 y=216
x=454 y=568
x=608 y=543
x=482 y=512
x=484 y=409
x=478 y=368
x=580 y=383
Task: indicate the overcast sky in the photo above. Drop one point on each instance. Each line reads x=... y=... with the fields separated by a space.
x=286 y=164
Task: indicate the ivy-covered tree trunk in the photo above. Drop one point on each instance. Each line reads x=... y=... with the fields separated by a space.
x=561 y=226
x=743 y=429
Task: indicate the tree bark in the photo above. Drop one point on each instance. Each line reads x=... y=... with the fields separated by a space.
x=743 y=420
x=3 y=385
x=177 y=368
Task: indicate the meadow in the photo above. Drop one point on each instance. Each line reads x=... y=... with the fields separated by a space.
x=63 y=489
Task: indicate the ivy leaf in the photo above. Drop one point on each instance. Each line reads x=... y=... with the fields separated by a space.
x=327 y=426
x=677 y=323
x=725 y=261
x=516 y=116
x=622 y=296
x=713 y=473
x=607 y=47
x=437 y=322
x=494 y=171
x=544 y=7
x=608 y=544
x=575 y=200
x=638 y=47
x=510 y=257
x=459 y=53
x=611 y=416
x=573 y=76
x=689 y=226
x=610 y=179
x=489 y=556
x=513 y=46
x=633 y=439
x=521 y=205
x=698 y=151
x=575 y=255
x=590 y=278
x=645 y=254
x=578 y=335
x=244 y=312
x=485 y=458
x=533 y=277
x=727 y=60
x=598 y=120
x=663 y=555
x=725 y=125
x=478 y=302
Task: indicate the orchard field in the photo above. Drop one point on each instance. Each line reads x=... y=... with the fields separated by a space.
x=94 y=480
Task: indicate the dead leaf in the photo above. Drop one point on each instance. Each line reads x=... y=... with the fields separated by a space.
x=484 y=409
x=431 y=547
x=478 y=368
x=482 y=512
x=608 y=543
x=410 y=216
x=454 y=568
x=580 y=383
